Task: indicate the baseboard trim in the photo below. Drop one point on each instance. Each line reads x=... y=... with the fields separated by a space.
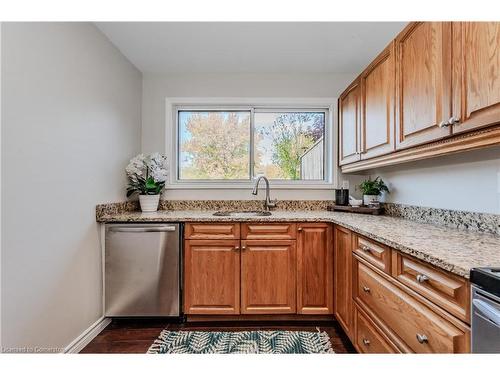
x=87 y=336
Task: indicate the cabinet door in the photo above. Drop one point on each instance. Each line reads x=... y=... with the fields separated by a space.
x=377 y=105
x=211 y=277
x=423 y=83
x=476 y=75
x=349 y=117
x=314 y=269
x=343 y=279
x=268 y=269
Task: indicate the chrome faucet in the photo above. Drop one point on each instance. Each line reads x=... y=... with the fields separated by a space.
x=268 y=204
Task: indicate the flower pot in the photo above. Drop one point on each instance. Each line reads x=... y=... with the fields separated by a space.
x=149 y=203
x=369 y=199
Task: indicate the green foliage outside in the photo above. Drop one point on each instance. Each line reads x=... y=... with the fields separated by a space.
x=292 y=137
x=218 y=145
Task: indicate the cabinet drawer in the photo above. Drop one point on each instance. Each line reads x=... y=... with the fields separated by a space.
x=266 y=231
x=214 y=231
x=373 y=252
x=450 y=292
x=368 y=338
x=418 y=325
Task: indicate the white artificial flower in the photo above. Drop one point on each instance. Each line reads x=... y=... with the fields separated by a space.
x=136 y=167
x=158 y=167
x=159 y=175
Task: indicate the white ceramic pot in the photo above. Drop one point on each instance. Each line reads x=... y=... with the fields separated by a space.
x=149 y=203
x=368 y=199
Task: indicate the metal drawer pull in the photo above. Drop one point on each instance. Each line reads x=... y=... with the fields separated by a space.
x=422 y=278
x=366 y=289
x=365 y=248
x=422 y=338
x=236 y=248
x=300 y=229
x=243 y=248
x=366 y=342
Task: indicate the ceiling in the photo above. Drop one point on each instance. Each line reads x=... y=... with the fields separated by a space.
x=250 y=47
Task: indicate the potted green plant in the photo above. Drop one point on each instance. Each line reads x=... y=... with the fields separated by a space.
x=147 y=176
x=371 y=189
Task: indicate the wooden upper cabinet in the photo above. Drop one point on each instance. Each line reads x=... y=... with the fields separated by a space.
x=212 y=277
x=423 y=78
x=268 y=270
x=377 y=105
x=343 y=279
x=314 y=268
x=476 y=74
x=349 y=121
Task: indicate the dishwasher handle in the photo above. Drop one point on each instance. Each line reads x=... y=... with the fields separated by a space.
x=168 y=228
x=488 y=311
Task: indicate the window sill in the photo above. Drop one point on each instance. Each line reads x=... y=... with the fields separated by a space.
x=250 y=185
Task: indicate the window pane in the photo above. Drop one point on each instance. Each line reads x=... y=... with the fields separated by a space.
x=289 y=145
x=214 y=145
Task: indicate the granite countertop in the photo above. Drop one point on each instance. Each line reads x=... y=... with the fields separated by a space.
x=453 y=250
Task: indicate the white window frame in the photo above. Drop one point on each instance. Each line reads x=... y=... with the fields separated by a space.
x=171 y=150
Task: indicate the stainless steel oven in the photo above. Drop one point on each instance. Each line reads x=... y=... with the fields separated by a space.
x=485 y=314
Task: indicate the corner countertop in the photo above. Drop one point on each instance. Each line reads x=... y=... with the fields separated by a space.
x=453 y=250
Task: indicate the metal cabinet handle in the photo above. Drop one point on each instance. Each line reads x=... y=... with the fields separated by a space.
x=453 y=120
x=143 y=229
x=366 y=342
x=421 y=278
x=236 y=248
x=366 y=248
x=366 y=289
x=243 y=248
x=444 y=124
x=300 y=229
x=421 y=338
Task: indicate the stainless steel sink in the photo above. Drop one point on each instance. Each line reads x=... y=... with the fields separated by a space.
x=243 y=213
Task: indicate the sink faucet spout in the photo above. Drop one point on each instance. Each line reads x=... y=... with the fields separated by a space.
x=268 y=203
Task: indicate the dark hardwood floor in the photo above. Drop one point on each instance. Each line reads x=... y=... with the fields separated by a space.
x=137 y=335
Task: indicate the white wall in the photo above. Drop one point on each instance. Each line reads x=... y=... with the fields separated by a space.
x=156 y=88
x=467 y=181
x=71 y=120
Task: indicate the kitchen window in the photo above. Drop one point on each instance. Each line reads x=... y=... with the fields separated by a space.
x=217 y=145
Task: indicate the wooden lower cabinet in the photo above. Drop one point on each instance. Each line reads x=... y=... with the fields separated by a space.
x=211 y=277
x=268 y=277
x=374 y=253
x=314 y=268
x=270 y=269
x=450 y=292
x=413 y=323
x=379 y=296
x=212 y=231
x=343 y=279
x=268 y=231
x=369 y=338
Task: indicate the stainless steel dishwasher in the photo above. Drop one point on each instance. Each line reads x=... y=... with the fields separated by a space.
x=142 y=270
x=485 y=327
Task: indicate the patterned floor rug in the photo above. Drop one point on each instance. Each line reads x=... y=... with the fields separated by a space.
x=244 y=342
